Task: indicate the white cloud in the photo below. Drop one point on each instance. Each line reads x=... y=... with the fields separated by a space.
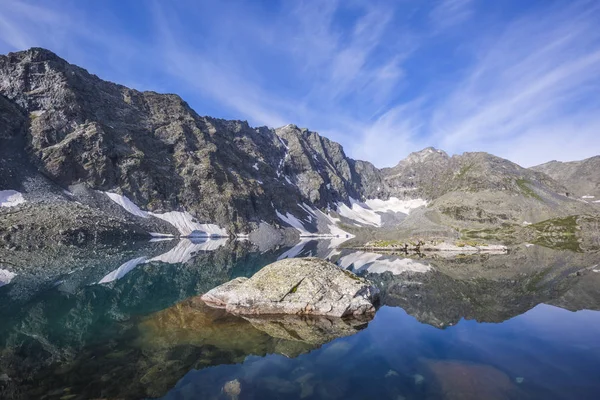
x=540 y=74
x=392 y=135
x=448 y=13
x=524 y=88
x=22 y=24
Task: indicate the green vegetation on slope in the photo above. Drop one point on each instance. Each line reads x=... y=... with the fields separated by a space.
x=523 y=184
x=463 y=171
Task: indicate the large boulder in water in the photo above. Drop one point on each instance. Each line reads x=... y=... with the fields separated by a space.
x=303 y=286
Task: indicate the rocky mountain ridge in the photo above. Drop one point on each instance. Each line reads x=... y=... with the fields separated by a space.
x=67 y=136
x=158 y=152
x=581 y=178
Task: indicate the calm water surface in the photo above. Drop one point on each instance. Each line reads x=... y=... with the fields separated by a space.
x=131 y=325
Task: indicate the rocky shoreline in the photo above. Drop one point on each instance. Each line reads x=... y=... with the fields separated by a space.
x=431 y=246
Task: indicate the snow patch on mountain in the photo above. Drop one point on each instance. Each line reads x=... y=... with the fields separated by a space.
x=369 y=212
x=359 y=212
x=394 y=204
x=317 y=218
x=10 y=198
x=185 y=223
x=294 y=223
x=285 y=157
x=127 y=204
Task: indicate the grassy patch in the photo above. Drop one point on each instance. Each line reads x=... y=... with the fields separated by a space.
x=535 y=280
x=463 y=171
x=523 y=185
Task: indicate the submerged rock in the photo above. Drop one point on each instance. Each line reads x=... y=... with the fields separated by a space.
x=232 y=389
x=463 y=380
x=297 y=286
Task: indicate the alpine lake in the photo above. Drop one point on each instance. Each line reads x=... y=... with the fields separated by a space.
x=128 y=323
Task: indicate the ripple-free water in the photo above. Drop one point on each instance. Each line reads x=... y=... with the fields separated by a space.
x=522 y=326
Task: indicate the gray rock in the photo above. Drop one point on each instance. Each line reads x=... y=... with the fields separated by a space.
x=297 y=286
x=581 y=178
x=233 y=389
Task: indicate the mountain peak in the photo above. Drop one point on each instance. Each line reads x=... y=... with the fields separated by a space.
x=424 y=155
x=36 y=54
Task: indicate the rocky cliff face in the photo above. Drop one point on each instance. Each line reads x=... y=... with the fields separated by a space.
x=581 y=178
x=154 y=149
x=67 y=136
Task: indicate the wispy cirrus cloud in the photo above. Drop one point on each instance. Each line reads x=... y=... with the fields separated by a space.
x=324 y=70
x=540 y=73
x=448 y=13
x=39 y=21
x=383 y=78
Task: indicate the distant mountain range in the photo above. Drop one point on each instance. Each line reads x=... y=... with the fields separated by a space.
x=84 y=158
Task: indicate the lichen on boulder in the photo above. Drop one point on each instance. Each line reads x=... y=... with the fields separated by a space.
x=301 y=286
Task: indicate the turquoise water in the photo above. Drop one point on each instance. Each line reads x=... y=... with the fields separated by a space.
x=497 y=327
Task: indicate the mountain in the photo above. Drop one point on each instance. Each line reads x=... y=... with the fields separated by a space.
x=155 y=150
x=581 y=178
x=82 y=158
x=476 y=190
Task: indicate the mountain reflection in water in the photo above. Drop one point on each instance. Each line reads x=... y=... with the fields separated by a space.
x=130 y=324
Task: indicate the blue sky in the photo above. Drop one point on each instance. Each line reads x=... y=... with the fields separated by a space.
x=517 y=78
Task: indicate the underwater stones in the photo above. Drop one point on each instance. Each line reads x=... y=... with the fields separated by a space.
x=307 y=384
x=232 y=389
x=419 y=379
x=391 y=373
x=301 y=286
x=463 y=380
x=278 y=385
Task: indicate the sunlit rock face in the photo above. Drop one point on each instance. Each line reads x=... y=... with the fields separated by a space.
x=306 y=286
x=157 y=151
